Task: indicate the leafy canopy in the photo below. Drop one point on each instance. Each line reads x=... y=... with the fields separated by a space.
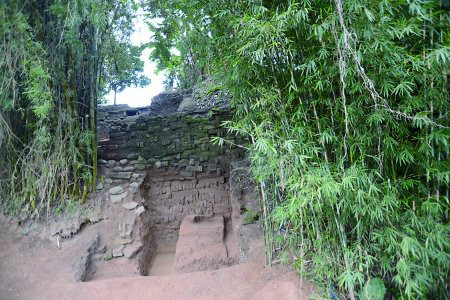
x=346 y=107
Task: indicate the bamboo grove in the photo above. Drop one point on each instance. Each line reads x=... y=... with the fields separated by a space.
x=346 y=106
x=57 y=60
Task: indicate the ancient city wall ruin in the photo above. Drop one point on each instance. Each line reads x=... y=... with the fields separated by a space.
x=166 y=164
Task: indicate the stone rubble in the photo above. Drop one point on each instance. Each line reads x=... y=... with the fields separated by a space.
x=116 y=190
x=131 y=250
x=118 y=198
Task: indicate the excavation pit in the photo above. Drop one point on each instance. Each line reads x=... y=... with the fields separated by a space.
x=187 y=225
x=162 y=263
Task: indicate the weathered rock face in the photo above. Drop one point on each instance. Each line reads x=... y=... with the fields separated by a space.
x=165 y=103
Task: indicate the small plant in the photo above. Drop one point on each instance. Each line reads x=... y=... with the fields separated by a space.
x=251 y=216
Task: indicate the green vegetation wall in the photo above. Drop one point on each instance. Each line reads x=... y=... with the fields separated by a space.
x=57 y=59
x=347 y=107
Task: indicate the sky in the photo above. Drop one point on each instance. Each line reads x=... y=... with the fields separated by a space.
x=137 y=96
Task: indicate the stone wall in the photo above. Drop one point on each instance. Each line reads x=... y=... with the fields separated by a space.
x=181 y=140
x=163 y=167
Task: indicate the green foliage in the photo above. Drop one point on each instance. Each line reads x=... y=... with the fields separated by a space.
x=250 y=216
x=54 y=66
x=346 y=106
x=374 y=289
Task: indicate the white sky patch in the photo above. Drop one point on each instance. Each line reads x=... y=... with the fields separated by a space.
x=137 y=96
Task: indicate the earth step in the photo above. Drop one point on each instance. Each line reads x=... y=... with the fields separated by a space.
x=130 y=205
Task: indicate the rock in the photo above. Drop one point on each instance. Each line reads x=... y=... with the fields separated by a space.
x=183 y=163
x=140 y=210
x=123 y=162
x=136 y=175
x=83 y=263
x=118 y=252
x=107 y=256
x=132 y=156
x=118 y=198
x=116 y=190
x=97 y=257
x=134 y=185
x=166 y=102
x=140 y=166
x=108 y=181
x=129 y=169
x=118 y=169
x=121 y=175
x=126 y=227
x=102 y=162
x=110 y=163
x=99 y=186
x=192 y=162
x=131 y=250
x=101 y=250
x=130 y=205
x=125 y=241
x=194 y=169
x=158 y=164
x=141 y=160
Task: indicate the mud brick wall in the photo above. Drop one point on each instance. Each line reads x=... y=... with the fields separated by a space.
x=169 y=197
x=181 y=140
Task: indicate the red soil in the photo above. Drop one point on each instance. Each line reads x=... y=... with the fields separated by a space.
x=33 y=268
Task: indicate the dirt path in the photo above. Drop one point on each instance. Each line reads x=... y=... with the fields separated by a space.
x=31 y=268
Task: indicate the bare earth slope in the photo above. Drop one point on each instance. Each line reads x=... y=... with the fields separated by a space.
x=32 y=268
